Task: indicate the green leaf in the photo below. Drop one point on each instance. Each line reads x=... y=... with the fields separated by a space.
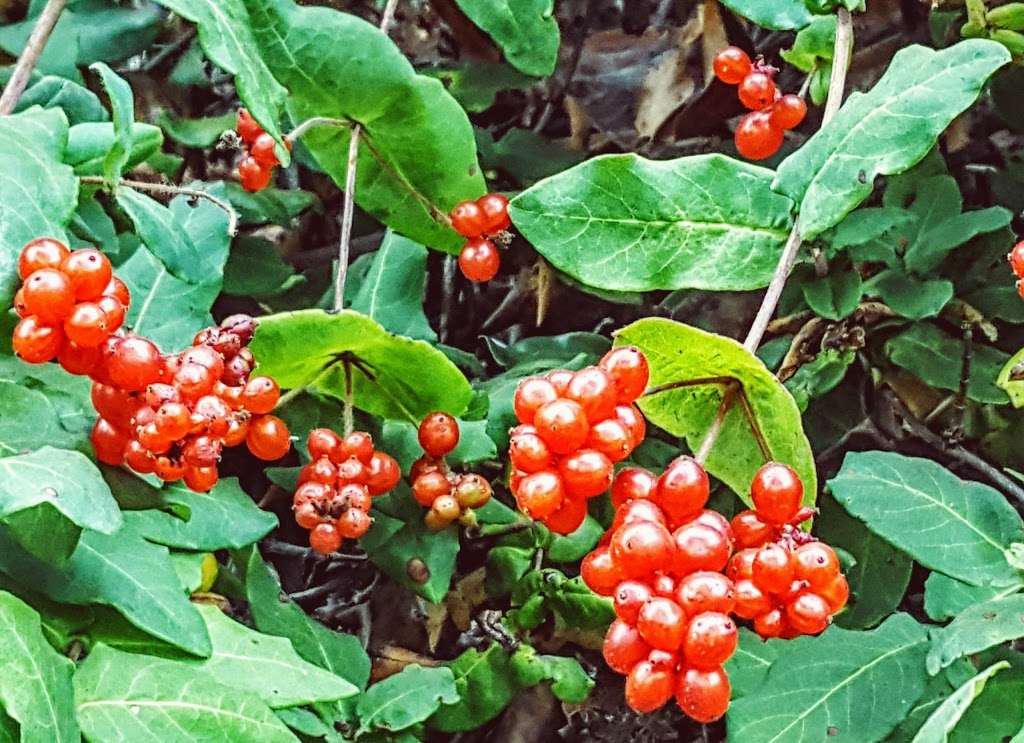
x=401 y=440
x=255 y=268
x=881 y=574
x=961 y=528
x=505 y=567
x=780 y=15
x=392 y=291
x=196 y=133
x=679 y=353
x=749 y=665
x=226 y=35
x=392 y=376
x=835 y=295
x=836 y=168
x=575 y=546
x=123 y=697
x=1014 y=387
x=35 y=680
x=524 y=154
x=814 y=45
x=622 y=222
x=28 y=420
x=407 y=698
x=485 y=683
x=37 y=192
x=826 y=688
x=977 y=628
x=265 y=665
x=273 y=614
x=997 y=714
x=77 y=102
x=941 y=722
x=122 y=571
x=909 y=296
x=418 y=130
x=224 y=518
x=936 y=358
x=475 y=83
x=122 y=104
x=820 y=376
x=269 y=205
x=525 y=30
x=89 y=144
x=945 y=597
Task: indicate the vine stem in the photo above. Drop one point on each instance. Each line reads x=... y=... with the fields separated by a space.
x=171 y=190
x=836 y=89
x=314 y=122
x=348 y=205
x=30 y=55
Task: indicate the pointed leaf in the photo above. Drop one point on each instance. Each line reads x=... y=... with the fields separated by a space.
x=91 y=142
x=941 y=722
x=945 y=597
x=525 y=30
x=977 y=628
x=392 y=291
x=407 y=698
x=122 y=104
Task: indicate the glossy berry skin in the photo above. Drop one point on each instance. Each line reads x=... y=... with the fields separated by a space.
x=49 y=295
x=479 y=260
x=683 y=490
x=75 y=359
x=773 y=568
x=472 y=491
x=262 y=151
x=635 y=511
x=731 y=65
x=642 y=547
x=469 y=220
x=700 y=547
x=325 y=539
x=817 y=564
x=323 y=442
x=133 y=363
x=611 y=438
x=750 y=530
x=119 y=291
x=788 y=112
x=539 y=495
x=706 y=591
x=114 y=310
x=662 y=624
x=599 y=572
x=530 y=396
x=630 y=597
x=623 y=647
x=253 y=176
x=756 y=138
x=494 y=207
x=631 y=417
x=430 y=486
x=703 y=695
x=594 y=390
x=36 y=343
x=268 y=438
x=529 y=453
x=87 y=325
x=751 y=601
x=568 y=517
x=439 y=434
x=563 y=425
x=777 y=493
x=260 y=395
x=108 y=442
x=808 y=613
x=632 y=483
x=354 y=523
x=585 y=474
x=560 y=378
x=382 y=473
x=757 y=90
x=247 y=128
x=307 y=516
x=649 y=686
x=710 y=640
x=89 y=271
x=836 y=593
x=1016 y=259
x=629 y=371
x=201 y=479
x=358 y=444
x=43 y=252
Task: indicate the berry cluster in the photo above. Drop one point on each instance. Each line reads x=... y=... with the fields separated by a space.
x=477 y=221
x=760 y=132
x=70 y=304
x=787 y=582
x=574 y=427
x=449 y=496
x=257 y=167
x=1016 y=259
x=333 y=497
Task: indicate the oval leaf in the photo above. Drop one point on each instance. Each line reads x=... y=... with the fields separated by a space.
x=406 y=698
x=780 y=15
x=977 y=628
x=526 y=31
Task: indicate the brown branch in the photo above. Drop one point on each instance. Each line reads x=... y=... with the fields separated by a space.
x=168 y=189
x=30 y=55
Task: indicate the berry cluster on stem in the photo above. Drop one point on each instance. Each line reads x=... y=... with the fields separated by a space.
x=257 y=167
x=1016 y=259
x=333 y=496
x=450 y=496
x=760 y=132
x=574 y=427
x=478 y=221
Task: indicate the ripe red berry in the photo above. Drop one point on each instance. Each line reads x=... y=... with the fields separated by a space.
x=611 y=438
x=262 y=151
x=358 y=444
x=632 y=483
x=43 y=252
x=260 y=395
x=705 y=591
x=1016 y=259
x=351 y=469
x=560 y=378
x=649 y=686
x=594 y=390
x=773 y=568
x=313 y=492
x=599 y=572
x=114 y=311
x=568 y=517
x=731 y=65
x=540 y=494
x=382 y=473
x=836 y=593
x=642 y=547
x=201 y=479
x=168 y=469
x=630 y=596
x=756 y=137
x=751 y=601
x=430 y=486
x=354 y=523
x=49 y=295
x=253 y=176
x=425 y=464
x=108 y=442
x=36 y=343
x=530 y=396
x=631 y=417
x=585 y=474
x=325 y=538
x=479 y=260
x=637 y=510
x=528 y=452
x=662 y=624
x=771 y=623
x=89 y=272
x=757 y=90
x=788 y=112
x=741 y=564
x=323 y=442
x=87 y=325
x=683 y=490
x=629 y=371
x=133 y=363
x=710 y=640
x=494 y=207
x=703 y=695
x=268 y=438
x=439 y=434
x=307 y=515
x=119 y=291
x=246 y=126
x=749 y=530
x=700 y=547
x=777 y=493
x=817 y=564
x=78 y=360
x=808 y=613
x=469 y=220
x=563 y=425
x=623 y=647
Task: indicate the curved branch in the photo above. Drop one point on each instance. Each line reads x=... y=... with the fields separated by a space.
x=30 y=55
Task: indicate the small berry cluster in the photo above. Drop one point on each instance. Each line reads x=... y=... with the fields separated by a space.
x=449 y=496
x=70 y=304
x=257 y=167
x=760 y=132
x=1016 y=259
x=662 y=562
x=333 y=497
x=574 y=427
x=787 y=582
x=477 y=221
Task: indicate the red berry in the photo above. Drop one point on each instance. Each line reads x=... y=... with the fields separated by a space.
x=268 y=438
x=788 y=112
x=631 y=417
x=202 y=451
x=354 y=523
x=594 y=390
x=36 y=343
x=382 y=473
x=246 y=126
x=563 y=425
x=611 y=438
x=777 y=493
x=836 y=593
x=706 y=591
x=134 y=363
x=623 y=647
x=446 y=509
x=630 y=596
x=662 y=624
x=1016 y=259
x=756 y=138
x=756 y=90
x=528 y=452
x=201 y=479
x=479 y=260
x=352 y=470
x=425 y=464
x=89 y=271
x=168 y=469
x=114 y=311
x=194 y=381
x=731 y=65
x=683 y=490
x=749 y=530
x=531 y=395
x=430 y=486
x=262 y=151
x=664 y=585
x=253 y=176
x=642 y=547
x=773 y=568
x=751 y=601
x=629 y=371
x=307 y=516
x=87 y=325
x=637 y=510
x=817 y=564
x=19 y=303
x=771 y=623
x=43 y=252
x=585 y=474
x=319 y=470
x=469 y=220
x=808 y=613
x=173 y=420
x=49 y=295
x=495 y=210
x=541 y=494
x=599 y=572
x=260 y=395
x=632 y=483
x=716 y=521
x=108 y=442
x=700 y=547
x=313 y=492
x=119 y=291
x=439 y=434
x=78 y=360
x=703 y=695
x=649 y=686
x=472 y=490
x=358 y=444
x=568 y=517
x=138 y=458
x=741 y=565
x=710 y=640
x=560 y=378
x=323 y=442
x=325 y=538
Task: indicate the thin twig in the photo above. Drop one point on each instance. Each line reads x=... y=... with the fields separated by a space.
x=172 y=190
x=313 y=123
x=30 y=55
x=348 y=421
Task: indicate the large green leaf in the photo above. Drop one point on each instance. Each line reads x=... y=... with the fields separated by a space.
x=227 y=38
x=526 y=30
x=679 y=353
x=405 y=699
x=749 y=665
x=941 y=722
x=886 y=130
x=28 y=420
x=960 y=528
x=338 y=65
x=625 y=223
x=127 y=698
x=35 y=680
x=392 y=376
x=977 y=628
x=392 y=291
x=780 y=15
x=37 y=192
x=830 y=687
